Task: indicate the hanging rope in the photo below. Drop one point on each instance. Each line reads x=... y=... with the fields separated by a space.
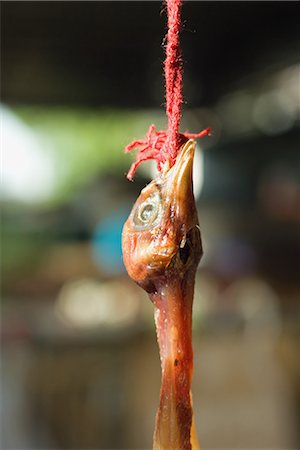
x=163 y=146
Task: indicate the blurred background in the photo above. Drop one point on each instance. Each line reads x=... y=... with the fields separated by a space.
x=80 y=80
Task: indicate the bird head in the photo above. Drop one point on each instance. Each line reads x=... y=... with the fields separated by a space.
x=161 y=236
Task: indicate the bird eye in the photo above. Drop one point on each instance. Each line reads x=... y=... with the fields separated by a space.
x=147 y=214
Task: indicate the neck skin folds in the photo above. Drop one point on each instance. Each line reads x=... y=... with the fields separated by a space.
x=173 y=318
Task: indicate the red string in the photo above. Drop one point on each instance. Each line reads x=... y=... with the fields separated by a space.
x=173 y=76
x=163 y=146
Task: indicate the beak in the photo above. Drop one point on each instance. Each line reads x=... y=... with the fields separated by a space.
x=179 y=184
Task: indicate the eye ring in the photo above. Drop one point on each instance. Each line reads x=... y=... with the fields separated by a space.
x=147 y=214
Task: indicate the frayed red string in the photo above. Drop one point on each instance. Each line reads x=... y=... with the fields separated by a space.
x=164 y=145
x=155 y=146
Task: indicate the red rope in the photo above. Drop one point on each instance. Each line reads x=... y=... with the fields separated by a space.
x=173 y=76
x=164 y=145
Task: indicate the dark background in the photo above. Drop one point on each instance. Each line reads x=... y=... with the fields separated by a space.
x=110 y=53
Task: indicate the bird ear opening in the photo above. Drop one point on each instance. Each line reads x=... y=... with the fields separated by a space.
x=185 y=251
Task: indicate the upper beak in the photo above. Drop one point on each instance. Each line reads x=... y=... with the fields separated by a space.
x=179 y=183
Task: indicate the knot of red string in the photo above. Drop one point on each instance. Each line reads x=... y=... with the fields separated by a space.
x=164 y=145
